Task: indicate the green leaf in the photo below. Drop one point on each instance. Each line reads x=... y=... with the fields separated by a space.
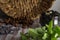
x=57 y=30
x=45 y=36
x=50 y=26
x=41 y=30
x=33 y=33
x=56 y=35
x=53 y=38
x=47 y=32
x=23 y=36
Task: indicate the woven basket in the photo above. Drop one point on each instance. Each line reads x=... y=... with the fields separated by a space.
x=25 y=11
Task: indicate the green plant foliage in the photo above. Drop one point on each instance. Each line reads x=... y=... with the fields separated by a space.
x=48 y=32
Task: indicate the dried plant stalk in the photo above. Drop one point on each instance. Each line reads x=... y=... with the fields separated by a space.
x=25 y=11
